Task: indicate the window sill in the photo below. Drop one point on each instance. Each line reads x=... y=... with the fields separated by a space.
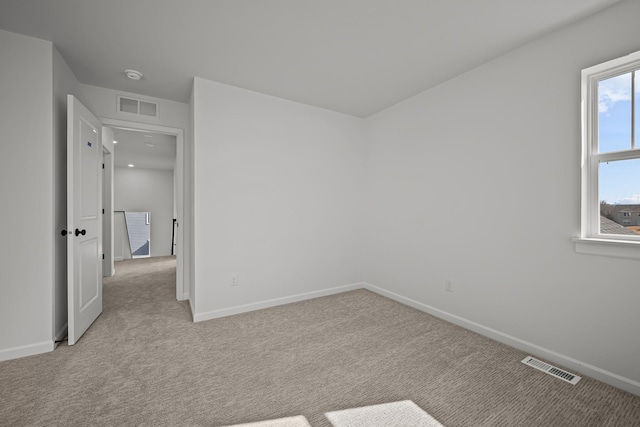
x=607 y=247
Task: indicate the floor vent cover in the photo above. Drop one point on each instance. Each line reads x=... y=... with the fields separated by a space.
x=551 y=370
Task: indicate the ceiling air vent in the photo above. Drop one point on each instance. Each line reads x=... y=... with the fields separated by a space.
x=137 y=106
x=551 y=370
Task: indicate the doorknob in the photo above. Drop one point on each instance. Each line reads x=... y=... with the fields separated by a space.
x=65 y=232
x=78 y=232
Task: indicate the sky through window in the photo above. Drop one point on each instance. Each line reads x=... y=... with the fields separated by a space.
x=619 y=180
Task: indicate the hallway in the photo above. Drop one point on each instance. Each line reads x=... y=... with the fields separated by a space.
x=140 y=288
x=141 y=296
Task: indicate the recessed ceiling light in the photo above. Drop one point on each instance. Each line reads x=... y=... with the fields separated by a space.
x=115 y=142
x=148 y=136
x=149 y=144
x=130 y=165
x=133 y=74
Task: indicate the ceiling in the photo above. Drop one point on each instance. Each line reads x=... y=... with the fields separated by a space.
x=352 y=56
x=144 y=149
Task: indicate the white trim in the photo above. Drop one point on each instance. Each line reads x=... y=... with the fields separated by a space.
x=223 y=312
x=107 y=206
x=608 y=247
x=573 y=364
x=583 y=368
x=26 y=350
x=181 y=286
x=592 y=158
x=614 y=67
x=612 y=156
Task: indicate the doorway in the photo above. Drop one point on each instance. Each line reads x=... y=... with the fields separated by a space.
x=156 y=159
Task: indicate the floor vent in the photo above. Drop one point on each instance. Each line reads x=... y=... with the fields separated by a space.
x=551 y=370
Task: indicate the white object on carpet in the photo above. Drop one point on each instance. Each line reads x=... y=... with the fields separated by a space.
x=298 y=421
x=395 y=414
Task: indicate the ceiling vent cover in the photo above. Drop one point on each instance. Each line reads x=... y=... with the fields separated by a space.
x=137 y=106
x=551 y=370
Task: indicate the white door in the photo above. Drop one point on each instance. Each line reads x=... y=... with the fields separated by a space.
x=84 y=218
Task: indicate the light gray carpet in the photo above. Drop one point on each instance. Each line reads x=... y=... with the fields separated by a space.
x=145 y=363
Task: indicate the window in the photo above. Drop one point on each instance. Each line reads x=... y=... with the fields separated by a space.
x=611 y=151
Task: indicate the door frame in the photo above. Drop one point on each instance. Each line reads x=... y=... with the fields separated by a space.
x=107 y=203
x=182 y=292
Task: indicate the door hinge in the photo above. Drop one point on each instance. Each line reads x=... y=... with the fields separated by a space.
x=102 y=211
x=102 y=256
x=103 y=166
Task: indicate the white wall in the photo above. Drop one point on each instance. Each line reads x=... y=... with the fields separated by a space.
x=148 y=190
x=277 y=191
x=64 y=83
x=26 y=189
x=103 y=103
x=499 y=148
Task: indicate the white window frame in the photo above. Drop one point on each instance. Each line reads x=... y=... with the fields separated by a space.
x=591 y=241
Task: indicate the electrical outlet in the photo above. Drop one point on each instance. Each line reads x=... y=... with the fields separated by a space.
x=234 y=280
x=448 y=285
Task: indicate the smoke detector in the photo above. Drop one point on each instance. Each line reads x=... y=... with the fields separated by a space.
x=133 y=74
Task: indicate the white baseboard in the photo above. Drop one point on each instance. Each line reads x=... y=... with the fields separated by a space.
x=572 y=364
x=26 y=350
x=199 y=317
